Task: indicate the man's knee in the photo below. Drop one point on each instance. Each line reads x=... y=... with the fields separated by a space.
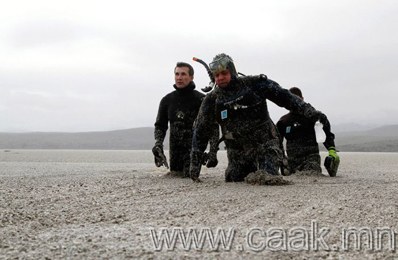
x=312 y=166
x=313 y=163
x=237 y=173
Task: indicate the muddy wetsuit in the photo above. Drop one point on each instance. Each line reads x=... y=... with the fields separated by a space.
x=301 y=145
x=249 y=134
x=180 y=108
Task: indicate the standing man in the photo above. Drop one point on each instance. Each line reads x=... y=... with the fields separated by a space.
x=238 y=105
x=301 y=145
x=179 y=108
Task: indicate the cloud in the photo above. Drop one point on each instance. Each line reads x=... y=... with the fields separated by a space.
x=98 y=65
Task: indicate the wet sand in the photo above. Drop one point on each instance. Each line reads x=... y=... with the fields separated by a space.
x=116 y=204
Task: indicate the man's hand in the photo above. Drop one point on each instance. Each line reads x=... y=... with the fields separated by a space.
x=332 y=162
x=333 y=153
x=160 y=158
x=212 y=160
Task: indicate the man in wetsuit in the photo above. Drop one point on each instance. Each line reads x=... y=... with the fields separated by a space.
x=179 y=108
x=301 y=144
x=238 y=105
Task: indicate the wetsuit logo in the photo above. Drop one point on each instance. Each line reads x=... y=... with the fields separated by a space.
x=224 y=114
x=180 y=115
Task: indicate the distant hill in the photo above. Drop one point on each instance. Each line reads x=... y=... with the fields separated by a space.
x=128 y=139
x=380 y=139
x=351 y=127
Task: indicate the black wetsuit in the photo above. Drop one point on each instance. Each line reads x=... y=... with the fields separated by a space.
x=301 y=145
x=249 y=134
x=180 y=108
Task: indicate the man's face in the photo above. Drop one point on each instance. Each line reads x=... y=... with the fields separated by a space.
x=222 y=78
x=182 y=77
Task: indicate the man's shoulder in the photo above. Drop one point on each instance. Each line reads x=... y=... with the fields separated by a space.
x=258 y=82
x=253 y=79
x=294 y=117
x=285 y=118
x=210 y=96
x=214 y=93
x=198 y=94
x=170 y=94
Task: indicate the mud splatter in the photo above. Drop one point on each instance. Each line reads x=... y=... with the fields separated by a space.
x=175 y=174
x=261 y=177
x=309 y=173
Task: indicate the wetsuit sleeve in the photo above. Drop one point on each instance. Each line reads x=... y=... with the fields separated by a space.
x=282 y=97
x=161 y=124
x=214 y=137
x=281 y=130
x=205 y=126
x=329 y=142
x=203 y=130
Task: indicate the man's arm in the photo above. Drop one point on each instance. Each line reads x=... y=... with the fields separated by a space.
x=161 y=123
x=281 y=130
x=329 y=142
x=269 y=89
x=211 y=157
x=281 y=127
x=203 y=129
x=161 y=126
x=332 y=161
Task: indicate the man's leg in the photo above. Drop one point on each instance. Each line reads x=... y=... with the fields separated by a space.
x=239 y=166
x=176 y=161
x=186 y=163
x=270 y=157
x=312 y=163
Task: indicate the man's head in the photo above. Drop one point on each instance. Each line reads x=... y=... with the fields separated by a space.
x=296 y=91
x=223 y=69
x=183 y=74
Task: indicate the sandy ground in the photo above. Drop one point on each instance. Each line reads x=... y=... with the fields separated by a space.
x=117 y=204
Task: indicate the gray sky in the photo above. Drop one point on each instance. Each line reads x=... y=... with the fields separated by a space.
x=82 y=65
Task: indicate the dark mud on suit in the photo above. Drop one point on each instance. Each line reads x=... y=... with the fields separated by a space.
x=180 y=108
x=301 y=146
x=251 y=138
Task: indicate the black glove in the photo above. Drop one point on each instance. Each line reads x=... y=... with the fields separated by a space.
x=160 y=158
x=205 y=158
x=212 y=160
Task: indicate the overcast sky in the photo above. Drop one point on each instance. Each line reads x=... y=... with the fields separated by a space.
x=103 y=65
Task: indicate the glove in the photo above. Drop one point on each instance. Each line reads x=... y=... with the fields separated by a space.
x=332 y=162
x=196 y=165
x=160 y=158
x=157 y=151
x=333 y=153
x=285 y=167
x=205 y=158
x=212 y=160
